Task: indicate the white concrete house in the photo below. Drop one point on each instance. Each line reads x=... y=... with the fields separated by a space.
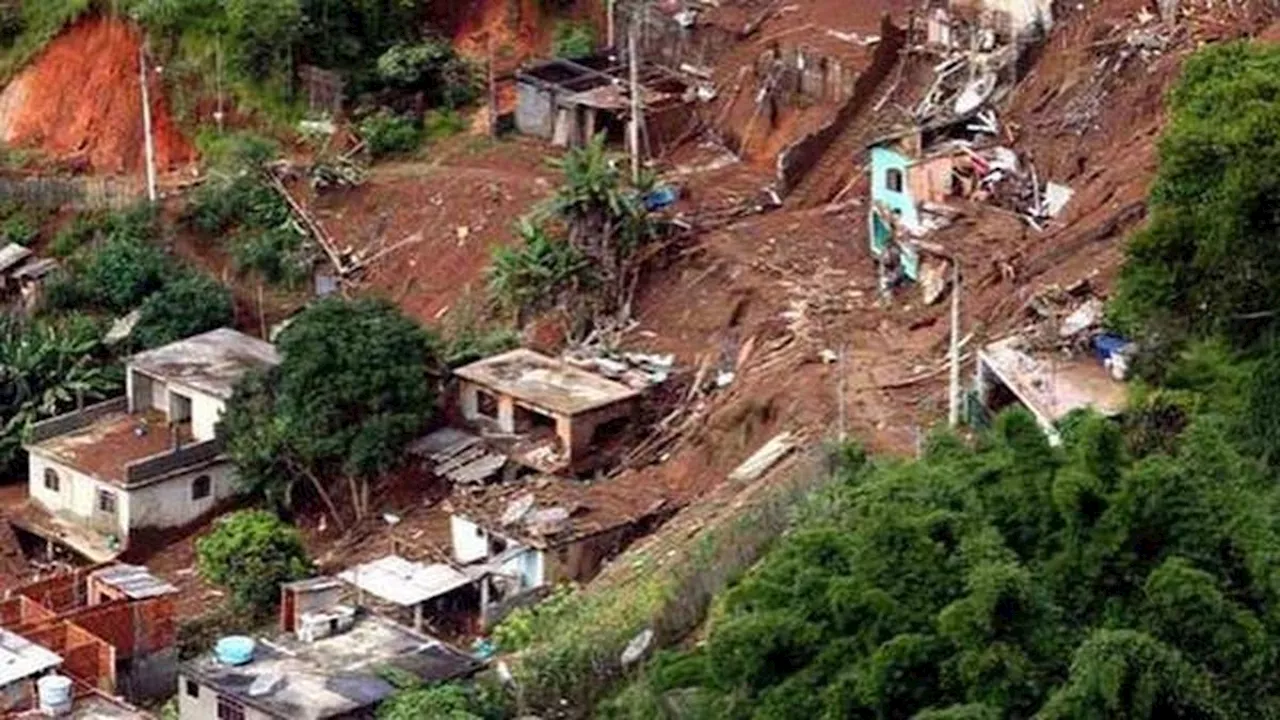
x=150 y=460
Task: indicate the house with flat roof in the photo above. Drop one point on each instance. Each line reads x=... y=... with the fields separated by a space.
x=554 y=413
x=151 y=460
x=1050 y=387
x=328 y=662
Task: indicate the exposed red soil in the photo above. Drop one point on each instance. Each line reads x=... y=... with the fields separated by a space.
x=80 y=102
x=461 y=206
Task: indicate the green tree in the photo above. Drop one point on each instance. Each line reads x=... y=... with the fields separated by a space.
x=46 y=368
x=355 y=385
x=1007 y=579
x=1204 y=262
x=189 y=305
x=581 y=248
x=250 y=553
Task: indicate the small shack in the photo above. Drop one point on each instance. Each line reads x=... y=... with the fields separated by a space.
x=553 y=412
x=568 y=102
x=415 y=586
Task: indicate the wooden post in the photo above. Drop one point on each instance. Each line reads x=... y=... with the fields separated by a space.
x=417 y=617
x=954 y=417
x=146 y=123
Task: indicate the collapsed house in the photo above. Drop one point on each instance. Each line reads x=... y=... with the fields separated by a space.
x=528 y=537
x=71 y=643
x=148 y=461
x=552 y=416
x=1049 y=385
x=951 y=160
x=568 y=102
x=330 y=660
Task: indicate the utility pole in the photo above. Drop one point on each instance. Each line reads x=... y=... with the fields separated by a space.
x=634 y=61
x=146 y=124
x=493 y=90
x=610 y=31
x=954 y=417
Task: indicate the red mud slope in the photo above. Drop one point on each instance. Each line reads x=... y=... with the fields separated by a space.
x=81 y=101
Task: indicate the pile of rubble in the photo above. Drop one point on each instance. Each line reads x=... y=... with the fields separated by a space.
x=954 y=157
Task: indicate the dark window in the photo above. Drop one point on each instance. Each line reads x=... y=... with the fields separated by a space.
x=893 y=180
x=193 y=690
x=106 y=501
x=51 y=480
x=229 y=709
x=486 y=404
x=201 y=487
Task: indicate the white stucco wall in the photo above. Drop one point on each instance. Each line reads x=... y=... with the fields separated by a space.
x=205 y=413
x=169 y=503
x=77 y=496
x=470 y=542
x=164 y=504
x=204 y=706
x=205 y=409
x=529 y=566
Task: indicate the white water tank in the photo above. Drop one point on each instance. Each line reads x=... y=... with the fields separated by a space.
x=54 y=693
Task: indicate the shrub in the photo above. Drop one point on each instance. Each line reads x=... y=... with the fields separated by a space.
x=386 y=134
x=250 y=553
x=241 y=150
x=573 y=39
x=443 y=123
x=116 y=277
x=192 y=304
x=279 y=256
x=432 y=68
x=242 y=201
x=21 y=227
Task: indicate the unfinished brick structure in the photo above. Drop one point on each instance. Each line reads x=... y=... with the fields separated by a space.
x=114 y=627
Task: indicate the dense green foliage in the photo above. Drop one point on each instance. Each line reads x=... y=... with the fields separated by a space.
x=580 y=248
x=430 y=67
x=573 y=39
x=250 y=553
x=386 y=133
x=46 y=368
x=353 y=388
x=446 y=702
x=244 y=212
x=1205 y=261
x=115 y=267
x=1007 y=580
x=188 y=305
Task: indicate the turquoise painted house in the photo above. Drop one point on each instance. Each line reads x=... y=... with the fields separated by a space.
x=891 y=193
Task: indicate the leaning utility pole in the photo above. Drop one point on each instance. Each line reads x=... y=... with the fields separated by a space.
x=954 y=417
x=146 y=124
x=634 y=61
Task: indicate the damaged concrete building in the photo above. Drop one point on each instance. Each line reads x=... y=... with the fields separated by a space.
x=1049 y=385
x=329 y=661
x=148 y=461
x=568 y=102
x=533 y=535
x=558 y=418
